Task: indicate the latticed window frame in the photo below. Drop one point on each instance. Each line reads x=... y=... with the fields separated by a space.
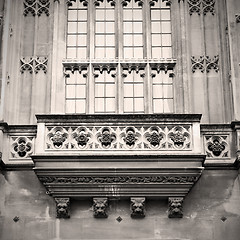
x=119 y=64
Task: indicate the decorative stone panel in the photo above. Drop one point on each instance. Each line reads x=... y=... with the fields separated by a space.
x=33 y=64
x=36 y=7
x=122 y=138
x=201 y=6
x=205 y=63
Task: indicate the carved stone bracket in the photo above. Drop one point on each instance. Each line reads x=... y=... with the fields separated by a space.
x=175 y=209
x=100 y=207
x=237 y=17
x=62 y=207
x=33 y=64
x=201 y=6
x=36 y=7
x=205 y=63
x=137 y=207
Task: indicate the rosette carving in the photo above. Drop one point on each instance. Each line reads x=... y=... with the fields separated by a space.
x=130 y=137
x=180 y=137
x=81 y=136
x=22 y=147
x=154 y=137
x=106 y=137
x=58 y=137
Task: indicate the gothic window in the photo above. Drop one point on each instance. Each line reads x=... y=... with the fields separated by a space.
x=119 y=41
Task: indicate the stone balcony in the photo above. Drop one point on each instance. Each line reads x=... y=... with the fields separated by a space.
x=78 y=156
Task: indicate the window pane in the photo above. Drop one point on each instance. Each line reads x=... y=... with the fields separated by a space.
x=110 y=14
x=127 y=27
x=110 y=40
x=70 y=91
x=70 y=106
x=138 y=52
x=167 y=91
x=72 y=27
x=82 y=52
x=155 y=14
x=82 y=15
x=110 y=90
x=80 y=91
x=128 y=90
x=100 y=14
x=137 y=14
x=71 y=52
x=156 y=27
x=128 y=105
x=138 y=104
x=82 y=27
x=166 y=40
x=165 y=15
x=128 y=40
x=158 y=106
x=156 y=52
x=138 y=90
x=138 y=41
x=100 y=40
x=80 y=106
x=99 y=104
x=72 y=40
x=99 y=90
x=156 y=40
x=157 y=91
x=110 y=52
x=166 y=27
x=137 y=27
x=168 y=105
x=72 y=15
x=110 y=105
x=128 y=53
x=109 y=27
x=99 y=27
x=82 y=40
x=127 y=14
x=80 y=78
x=167 y=52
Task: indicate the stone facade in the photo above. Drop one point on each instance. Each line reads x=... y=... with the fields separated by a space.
x=120 y=175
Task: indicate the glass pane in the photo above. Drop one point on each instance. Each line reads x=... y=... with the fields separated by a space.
x=100 y=40
x=127 y=14
x=72 y=15
x=82 y=40
x=72 y=27
x=71 y=79
x=157 y=78
x=138 y=105
x=110 y=40
x=168 y=105
x=167 y=52
x=156 y=39
x=128 y=90
x=156 y=27
x=137 y=14
x=110 y=52
x=82 y=15
x=70 y=106
x=99 y=104
x=80 y=91
x=166 y=78
x=100 y=14
x=110 y=105
x=128 y=53
x=155 y=14
x=138 y=90
x=138 y=52
x=82 y=27
x=82 y=53
x=157 y=91
x=128 y=104
x=165 y=15
x=110 y=27
x=167 y=91
x=127 y=27
x=71 y=52
x=158 y=106
x=137 y=77
x=80 y=78
x=100 y=77
x=99 y=52
x=70 y=91
x=156 y=52
x=137 y=27
x=100 y=27
x=110 y=14
x=128 y=40
x=72 y=40
x=166 y=27
x=80 y=106
x=110 y=90
x=138 y=41
x=99 y=90
x=166 y=40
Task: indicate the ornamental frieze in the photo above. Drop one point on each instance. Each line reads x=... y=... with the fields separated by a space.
x=119 y=138
x=121 y=179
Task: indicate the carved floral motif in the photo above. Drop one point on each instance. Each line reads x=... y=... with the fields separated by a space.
x=154 y=137
x=62 y=207
x=121 y=179
x=22 y=147
x=81 y=136
x=100 y=207
x=180 y=137
x=175 y=207
x=201 y=6
x=130 y=137
x=197 y=63
x=106 y=137
x=205 y=63
x=217 y=146
x=58 y=137
x=33 y=64
x=137 y=207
